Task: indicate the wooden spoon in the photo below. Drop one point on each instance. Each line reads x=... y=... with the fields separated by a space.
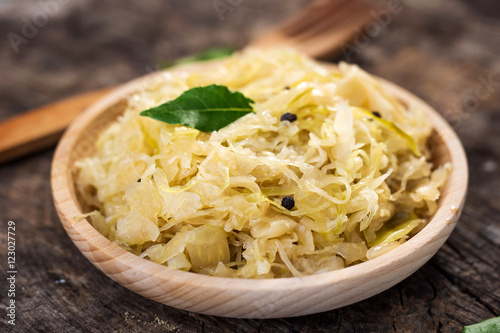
x=247 y=298
x=319 y=31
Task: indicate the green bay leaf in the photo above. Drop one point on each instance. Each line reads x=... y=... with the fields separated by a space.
x=491 y=325
x=208 y=54
x=206 y=109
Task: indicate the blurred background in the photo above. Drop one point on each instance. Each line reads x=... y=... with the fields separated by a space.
x=445 y=51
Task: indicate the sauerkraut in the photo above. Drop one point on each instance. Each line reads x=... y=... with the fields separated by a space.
x=354 y=161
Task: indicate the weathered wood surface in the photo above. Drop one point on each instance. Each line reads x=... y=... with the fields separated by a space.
x=445 y=51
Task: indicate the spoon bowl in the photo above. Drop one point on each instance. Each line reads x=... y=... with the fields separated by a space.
x=239 y=298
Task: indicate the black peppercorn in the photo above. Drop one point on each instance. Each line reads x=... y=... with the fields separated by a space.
x=139 y=180
x=287 y=88
x=288 y=116
x=288 y=202
x=377 y=114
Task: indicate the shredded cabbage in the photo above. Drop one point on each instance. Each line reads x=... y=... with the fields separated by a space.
x=211 y=202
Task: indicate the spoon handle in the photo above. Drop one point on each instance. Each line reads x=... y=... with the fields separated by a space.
x=42 y=127
x=319 y=30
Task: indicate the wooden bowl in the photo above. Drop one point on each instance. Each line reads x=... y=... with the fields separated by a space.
x=266 y=298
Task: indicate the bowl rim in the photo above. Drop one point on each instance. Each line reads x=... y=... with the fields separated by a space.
x=439 y=226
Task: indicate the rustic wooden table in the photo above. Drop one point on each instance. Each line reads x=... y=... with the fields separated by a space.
x=445 y=51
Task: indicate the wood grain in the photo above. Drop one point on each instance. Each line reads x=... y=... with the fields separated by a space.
x=42 y=127
x=321 y=29
x=437 y=49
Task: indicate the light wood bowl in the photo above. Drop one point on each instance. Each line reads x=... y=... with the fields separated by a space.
x=267 y=298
